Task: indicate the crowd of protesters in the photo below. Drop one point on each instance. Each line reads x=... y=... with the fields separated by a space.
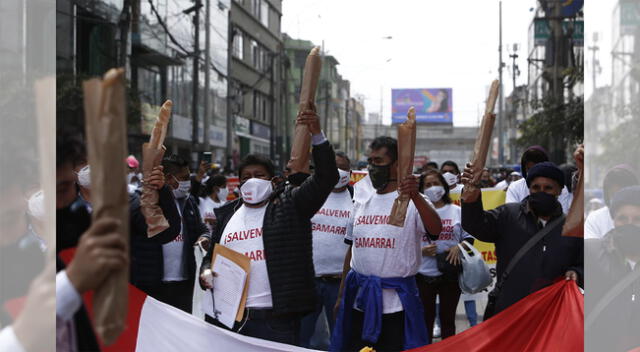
x=325 y=250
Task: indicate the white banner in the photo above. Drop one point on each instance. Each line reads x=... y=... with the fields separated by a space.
x=165 y=328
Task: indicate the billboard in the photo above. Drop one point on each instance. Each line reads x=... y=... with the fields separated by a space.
x=433 y=105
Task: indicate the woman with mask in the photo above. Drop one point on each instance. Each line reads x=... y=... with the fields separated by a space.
x=273 y=228
x=431 y=281
x=216 y=193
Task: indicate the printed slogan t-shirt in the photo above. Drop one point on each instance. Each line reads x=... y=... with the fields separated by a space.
x=450 y=235
x=243 y=234
x=329 y=227
x=385 y=250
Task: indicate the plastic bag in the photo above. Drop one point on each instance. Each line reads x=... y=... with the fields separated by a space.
x=475 y=275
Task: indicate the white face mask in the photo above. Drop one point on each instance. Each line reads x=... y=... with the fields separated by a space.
x=256 y=190
x=84 y=177
x=434 y=193
x=451 y=179
x=183 y=189
x=345 y=176
x=222 y=194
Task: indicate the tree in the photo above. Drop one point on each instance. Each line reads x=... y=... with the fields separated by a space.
x=556 y=127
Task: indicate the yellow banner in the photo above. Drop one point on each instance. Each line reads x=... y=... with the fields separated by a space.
x=491 y=198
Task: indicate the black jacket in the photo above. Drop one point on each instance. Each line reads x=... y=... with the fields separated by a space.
x=510 y=226
x=616 y=328
x=146 y=253
x=287 y=235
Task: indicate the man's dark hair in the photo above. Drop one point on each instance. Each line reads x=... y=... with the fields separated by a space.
x=619 y=176
x=214 y=181
x=431 y=165
x=255 y=159
x=70 y=148
x=452 y=164
x=386 y=142
x=173 y=164
x=344 y=156
x=535 y=154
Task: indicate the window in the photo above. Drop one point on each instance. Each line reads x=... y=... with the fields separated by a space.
x=255 y=54
x=261 y=107
x=238 y=45
x=255 y=8
x=264 y=13
x=149 y=85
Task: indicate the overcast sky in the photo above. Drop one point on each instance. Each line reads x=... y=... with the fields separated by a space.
x=436 y=44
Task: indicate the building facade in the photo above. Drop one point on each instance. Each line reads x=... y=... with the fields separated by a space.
x=437 y=143
x=339 y=113
x=155 y=40
x=256 y=71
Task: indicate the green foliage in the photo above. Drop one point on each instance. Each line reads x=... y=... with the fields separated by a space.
x=556 y=127
x=620 y=145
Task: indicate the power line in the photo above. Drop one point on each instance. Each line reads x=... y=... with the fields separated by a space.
x=164 y=26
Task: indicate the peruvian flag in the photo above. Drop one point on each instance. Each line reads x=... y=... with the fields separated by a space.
x=154 y=326
x=551 y=319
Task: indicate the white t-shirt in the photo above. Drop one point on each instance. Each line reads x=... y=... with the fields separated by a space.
x=243 y=234
x=329 y=226
x=206 y=209
x=502 y=184
x=172 y=252
x=385 y=250
x=451 y=234
x=598 y=223
x=518 y=191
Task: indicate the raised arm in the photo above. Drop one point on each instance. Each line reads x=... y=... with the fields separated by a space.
x=312 y=194
x=480 y=224
x=167 y=205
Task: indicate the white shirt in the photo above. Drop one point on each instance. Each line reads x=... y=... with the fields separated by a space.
x=172 y=252
x=451 y=234
x=598 y=223
x=9 y=342
x=502 y=184
x=68 y=302
x=329 y=227
x=385 y=250
x=518 y=191
x=206 y=207
x=243 y=234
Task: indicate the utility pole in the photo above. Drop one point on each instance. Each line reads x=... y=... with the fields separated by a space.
x=501 y=97
x=207 y=70
x=196 y=56
x=515 y=71
x=514 y=66
x=124 y=23
x=557 y=150
x=594 y=61
x=229 y=153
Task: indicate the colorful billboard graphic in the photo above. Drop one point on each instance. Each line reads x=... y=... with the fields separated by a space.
x=433 y=105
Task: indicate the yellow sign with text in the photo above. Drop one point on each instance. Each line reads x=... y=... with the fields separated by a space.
x=491 y=198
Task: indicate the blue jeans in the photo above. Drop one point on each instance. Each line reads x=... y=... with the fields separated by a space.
x=327 y=293
x=472 y=315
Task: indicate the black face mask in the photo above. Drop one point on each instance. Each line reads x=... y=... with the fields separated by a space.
x=626 y=239
x=543 y=204
x=380 y=175
x=298 y=178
